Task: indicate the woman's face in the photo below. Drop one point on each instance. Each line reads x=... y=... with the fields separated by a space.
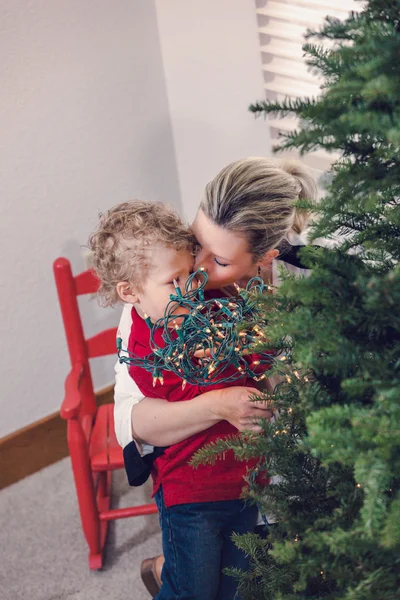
x=223 y=253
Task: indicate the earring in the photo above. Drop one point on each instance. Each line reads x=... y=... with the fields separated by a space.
x=259 y=271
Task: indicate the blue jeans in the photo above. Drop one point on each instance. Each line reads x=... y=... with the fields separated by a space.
x=197 y=546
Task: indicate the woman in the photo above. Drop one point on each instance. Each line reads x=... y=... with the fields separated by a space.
x=246 y=214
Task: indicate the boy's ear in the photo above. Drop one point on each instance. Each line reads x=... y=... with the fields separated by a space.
x=127 y=293
x=269 y=257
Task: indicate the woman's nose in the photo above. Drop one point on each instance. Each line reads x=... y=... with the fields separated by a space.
x=199 y=260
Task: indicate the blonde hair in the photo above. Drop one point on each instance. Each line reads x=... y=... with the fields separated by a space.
x=255 y=197
x=123 y=235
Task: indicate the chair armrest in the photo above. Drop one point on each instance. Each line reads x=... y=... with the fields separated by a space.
x=72 y=400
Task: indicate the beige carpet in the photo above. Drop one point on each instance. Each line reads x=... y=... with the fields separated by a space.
x=43 y=554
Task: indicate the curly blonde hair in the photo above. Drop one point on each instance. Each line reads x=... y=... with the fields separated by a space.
x=121 y=241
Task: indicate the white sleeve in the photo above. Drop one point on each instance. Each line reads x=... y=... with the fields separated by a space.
x=126 y=392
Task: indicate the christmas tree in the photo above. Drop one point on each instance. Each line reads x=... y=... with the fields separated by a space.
x=334 y=450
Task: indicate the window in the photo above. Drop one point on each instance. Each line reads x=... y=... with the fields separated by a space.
x=281 y=27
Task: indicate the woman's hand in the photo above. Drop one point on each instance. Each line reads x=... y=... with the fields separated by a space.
x=234 y=405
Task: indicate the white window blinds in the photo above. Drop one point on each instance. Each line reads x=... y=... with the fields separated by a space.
x=281 y=27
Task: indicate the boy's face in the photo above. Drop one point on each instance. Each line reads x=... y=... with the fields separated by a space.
x=153 y=295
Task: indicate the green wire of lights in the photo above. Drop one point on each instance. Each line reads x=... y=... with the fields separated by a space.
x=210 y=327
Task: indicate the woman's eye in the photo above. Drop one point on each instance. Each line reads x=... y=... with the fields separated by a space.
x=220 y=264
x=197 y=247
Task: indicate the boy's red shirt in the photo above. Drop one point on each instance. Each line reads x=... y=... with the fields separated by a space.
x=182 y=483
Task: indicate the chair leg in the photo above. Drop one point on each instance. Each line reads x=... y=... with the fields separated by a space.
x=103 y=504
x=86 y=493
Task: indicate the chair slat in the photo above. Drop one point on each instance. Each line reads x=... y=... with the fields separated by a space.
x=105 y=453
x=86 y=283
x=115 y=456
x=103 y=343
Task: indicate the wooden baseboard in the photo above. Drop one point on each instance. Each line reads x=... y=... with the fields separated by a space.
x=37 y=446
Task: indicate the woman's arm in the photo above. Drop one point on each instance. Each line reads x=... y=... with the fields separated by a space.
x=163 y=423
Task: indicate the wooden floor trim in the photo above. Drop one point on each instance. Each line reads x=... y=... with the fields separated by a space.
x=37 y=446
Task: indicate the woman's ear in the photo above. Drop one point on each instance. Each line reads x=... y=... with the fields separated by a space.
x=126 y=293
x=269 y=257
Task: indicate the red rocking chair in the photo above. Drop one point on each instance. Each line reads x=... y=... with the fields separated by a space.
x=92 y=444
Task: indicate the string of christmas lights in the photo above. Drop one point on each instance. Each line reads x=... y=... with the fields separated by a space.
x=204 y=338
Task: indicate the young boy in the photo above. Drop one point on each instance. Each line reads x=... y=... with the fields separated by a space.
x=139 y=249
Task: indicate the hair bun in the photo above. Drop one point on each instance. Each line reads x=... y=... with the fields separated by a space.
x=307 y=186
